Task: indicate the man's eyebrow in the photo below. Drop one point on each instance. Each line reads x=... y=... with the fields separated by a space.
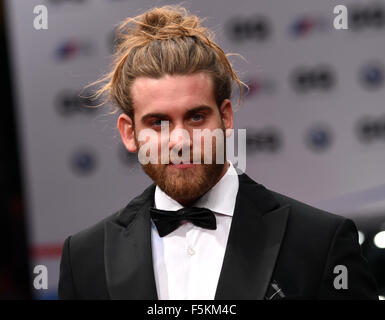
x=164 y=115
x=153 y=115
x=197 y=109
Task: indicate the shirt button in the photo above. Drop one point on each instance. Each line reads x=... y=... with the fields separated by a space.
x=191 y=251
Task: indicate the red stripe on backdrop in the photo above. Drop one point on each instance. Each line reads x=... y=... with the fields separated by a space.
x=52 y=250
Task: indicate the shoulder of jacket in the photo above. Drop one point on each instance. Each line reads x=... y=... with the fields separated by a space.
x=93 y=235
x=307 y=213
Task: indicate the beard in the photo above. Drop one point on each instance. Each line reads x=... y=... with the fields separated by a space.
x=188 y=184
x=184 y=184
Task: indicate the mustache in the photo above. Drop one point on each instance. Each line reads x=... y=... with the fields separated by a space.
x=184 y=155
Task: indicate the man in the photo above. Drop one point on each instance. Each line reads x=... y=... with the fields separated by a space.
x=200 y=231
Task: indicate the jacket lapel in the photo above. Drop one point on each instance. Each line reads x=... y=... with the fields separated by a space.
x=256 y=233
x=128 y=253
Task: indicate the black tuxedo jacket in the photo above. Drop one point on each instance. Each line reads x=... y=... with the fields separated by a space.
x=277 y=248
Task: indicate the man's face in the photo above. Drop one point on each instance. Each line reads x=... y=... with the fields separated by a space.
x=186 y=102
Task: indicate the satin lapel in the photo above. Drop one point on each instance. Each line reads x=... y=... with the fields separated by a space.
x=128 y=252
x=256 y=233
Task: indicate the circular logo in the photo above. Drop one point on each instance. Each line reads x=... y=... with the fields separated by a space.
x=319 y=137
x=372 y=75
x=83 y=161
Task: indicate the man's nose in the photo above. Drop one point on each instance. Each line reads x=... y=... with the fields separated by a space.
x=179 y=136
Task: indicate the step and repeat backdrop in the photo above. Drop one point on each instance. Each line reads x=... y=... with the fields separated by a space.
x=314 y=115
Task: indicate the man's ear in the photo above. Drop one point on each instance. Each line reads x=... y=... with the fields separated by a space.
x=227 y=116
x=126 y=129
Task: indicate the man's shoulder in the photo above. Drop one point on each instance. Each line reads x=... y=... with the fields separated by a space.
x=304 y=210
x=93 y=236
x=299 y=211
x=271 y=200
x=307 y=217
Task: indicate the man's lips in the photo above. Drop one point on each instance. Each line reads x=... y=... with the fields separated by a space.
x=182 y=165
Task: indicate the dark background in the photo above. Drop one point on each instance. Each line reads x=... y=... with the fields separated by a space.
x=14 y=276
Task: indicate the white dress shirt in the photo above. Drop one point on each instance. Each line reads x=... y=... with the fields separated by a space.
x=188 y=261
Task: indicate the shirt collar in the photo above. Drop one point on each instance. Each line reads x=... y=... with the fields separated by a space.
x=220 y=198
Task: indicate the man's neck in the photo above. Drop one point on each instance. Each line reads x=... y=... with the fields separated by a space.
x=225 y=168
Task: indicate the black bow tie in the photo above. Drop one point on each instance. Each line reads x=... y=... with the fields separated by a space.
x=167 y=221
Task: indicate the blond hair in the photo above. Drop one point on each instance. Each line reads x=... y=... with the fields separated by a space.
x=165 y=40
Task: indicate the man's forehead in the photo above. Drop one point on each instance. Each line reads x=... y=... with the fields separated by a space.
x=186 y=91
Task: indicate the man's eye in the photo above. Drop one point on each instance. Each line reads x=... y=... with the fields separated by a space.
x=158 y=122
x=197 y=117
